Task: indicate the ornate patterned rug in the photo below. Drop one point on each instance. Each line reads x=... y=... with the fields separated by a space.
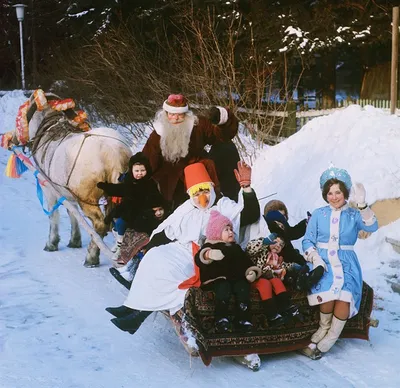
x=198 y=316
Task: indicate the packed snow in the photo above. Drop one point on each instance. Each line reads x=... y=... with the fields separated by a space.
x=54 y=331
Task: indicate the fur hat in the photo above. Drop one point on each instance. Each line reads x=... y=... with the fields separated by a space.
x=140 y=158
x=335 y=173
x=176 y=103
x=216 y=224
x=156 y=200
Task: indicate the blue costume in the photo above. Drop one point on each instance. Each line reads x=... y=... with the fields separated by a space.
x=333 y=232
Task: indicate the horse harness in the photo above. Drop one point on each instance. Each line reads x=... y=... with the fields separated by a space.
x=50 y=123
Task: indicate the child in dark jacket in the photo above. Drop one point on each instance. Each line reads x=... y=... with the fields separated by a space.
x=135 y=241
x=299 y=275
x=138 y=191
x=226 y=270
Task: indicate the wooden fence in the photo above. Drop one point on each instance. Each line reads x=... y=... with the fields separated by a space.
x=295 y=119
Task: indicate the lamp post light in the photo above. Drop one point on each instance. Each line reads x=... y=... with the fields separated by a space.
x=20 y=9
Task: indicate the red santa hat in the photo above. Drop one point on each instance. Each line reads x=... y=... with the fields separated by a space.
x=197 y=178
x=176 y=103
x=216 y=225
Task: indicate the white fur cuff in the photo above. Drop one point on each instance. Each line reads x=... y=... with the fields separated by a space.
x=202 y=258
x=223 y=114
x=175 y=109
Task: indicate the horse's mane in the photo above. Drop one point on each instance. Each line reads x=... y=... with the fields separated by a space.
x=56 y=125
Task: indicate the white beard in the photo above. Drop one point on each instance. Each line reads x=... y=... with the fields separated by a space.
x=175 y=138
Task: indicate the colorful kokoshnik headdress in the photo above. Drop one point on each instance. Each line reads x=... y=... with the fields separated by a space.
x=335 y=173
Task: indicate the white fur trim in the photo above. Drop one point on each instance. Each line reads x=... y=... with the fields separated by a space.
x=174 y=109
x=202 y=257
x=368 y=216
x=223 y=114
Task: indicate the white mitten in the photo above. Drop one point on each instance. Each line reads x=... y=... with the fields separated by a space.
x=359 y=195
x=215 y=254
x=312 y=256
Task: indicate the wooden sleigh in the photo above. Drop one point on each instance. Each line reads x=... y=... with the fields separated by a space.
x=196 y=320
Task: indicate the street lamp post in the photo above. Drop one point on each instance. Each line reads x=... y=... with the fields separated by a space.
x=20 y=9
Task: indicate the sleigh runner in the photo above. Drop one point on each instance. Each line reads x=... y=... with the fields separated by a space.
x=197 y=316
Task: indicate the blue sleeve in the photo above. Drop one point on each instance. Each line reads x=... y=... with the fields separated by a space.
x=310 y=238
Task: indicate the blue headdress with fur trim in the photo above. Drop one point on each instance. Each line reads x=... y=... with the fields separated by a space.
x=335 y=173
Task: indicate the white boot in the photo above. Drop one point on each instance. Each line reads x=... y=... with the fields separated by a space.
x=117 y=253
x=125 y=270
x=325 y=321
x=115 y=246
x=333 y=334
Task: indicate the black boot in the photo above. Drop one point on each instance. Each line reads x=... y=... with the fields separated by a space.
x=114 y=272
x=120 y=311
x=294 y=312
x=131 y=322
x=273 y=318
x=243 y=317
x=223 y=325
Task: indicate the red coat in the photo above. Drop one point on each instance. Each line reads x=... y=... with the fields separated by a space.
x=169 y=174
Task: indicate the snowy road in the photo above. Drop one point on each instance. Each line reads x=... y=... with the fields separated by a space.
x=54 y=331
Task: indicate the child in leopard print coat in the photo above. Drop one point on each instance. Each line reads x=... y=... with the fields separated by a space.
x=265 y=253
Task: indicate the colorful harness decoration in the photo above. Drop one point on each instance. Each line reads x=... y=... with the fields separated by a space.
x=20 y=135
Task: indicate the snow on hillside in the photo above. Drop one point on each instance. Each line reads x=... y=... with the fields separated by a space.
x=54 y=331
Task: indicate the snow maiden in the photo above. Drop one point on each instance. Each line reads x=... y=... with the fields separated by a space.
x=329 y=240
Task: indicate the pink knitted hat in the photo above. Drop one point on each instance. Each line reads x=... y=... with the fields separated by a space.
x=216 y=224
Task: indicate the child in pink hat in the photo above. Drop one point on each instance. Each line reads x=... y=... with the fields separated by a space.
x=226 y=270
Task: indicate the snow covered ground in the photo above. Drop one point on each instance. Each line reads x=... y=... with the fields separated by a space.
x=54 y=331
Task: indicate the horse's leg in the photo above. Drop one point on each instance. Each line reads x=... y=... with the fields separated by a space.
x=95 y=215
x=76 y=238
x=54 y=218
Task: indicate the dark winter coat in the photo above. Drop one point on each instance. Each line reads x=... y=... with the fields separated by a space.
x=226 y=156
x=288 y=233
x=170 y=175
x=234 y=266
x=139 y=197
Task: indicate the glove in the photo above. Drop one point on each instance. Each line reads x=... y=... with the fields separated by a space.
x=359 y=195
x=251 y=276
x=101 y=185
x=215 y=254
x=270 y=240
x=214 y=115
x=252 y=273
x=243 y=174
x=315 y=258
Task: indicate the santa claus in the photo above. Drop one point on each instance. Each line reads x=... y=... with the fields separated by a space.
x=179 y=138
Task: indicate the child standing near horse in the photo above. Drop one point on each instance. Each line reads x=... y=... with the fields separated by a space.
x=226 y=270
x=140 y=195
